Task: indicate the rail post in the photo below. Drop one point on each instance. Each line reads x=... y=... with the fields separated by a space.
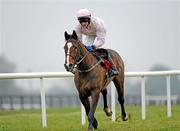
x=168 y=86
x=83 y=115
x=143 y=102
x=113 y=103
x=43 y=104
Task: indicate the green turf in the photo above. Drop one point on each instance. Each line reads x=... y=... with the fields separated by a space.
x=68 y=119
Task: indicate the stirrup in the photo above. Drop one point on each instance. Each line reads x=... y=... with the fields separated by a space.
x=112 y=72
x=116 y=72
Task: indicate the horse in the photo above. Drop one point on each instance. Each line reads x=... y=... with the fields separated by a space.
x=89 y=77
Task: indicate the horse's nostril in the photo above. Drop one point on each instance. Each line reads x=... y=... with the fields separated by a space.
x=66 y=67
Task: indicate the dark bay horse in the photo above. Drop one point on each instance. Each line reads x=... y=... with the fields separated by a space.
x=90 y=78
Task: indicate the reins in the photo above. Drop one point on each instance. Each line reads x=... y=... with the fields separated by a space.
x=78 y=62
x=91 y=68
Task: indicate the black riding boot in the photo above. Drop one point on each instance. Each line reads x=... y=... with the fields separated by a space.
x=112 y=71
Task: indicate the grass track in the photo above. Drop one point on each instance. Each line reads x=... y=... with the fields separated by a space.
x=68 y=119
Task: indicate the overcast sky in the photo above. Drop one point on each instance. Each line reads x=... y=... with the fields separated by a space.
x=144 y=32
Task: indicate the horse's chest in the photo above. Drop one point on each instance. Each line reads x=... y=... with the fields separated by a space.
x=88 y=83
x=84 y=92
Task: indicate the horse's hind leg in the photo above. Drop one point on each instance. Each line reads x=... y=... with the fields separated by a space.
x=120 y=90
x=106 y=108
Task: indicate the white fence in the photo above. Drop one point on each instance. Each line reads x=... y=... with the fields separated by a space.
x=142 y=75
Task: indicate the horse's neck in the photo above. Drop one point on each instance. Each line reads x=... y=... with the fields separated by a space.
x=88 y=60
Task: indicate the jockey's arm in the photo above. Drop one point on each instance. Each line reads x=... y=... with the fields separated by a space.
x=100 y=37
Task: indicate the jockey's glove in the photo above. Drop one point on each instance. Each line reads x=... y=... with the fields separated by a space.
x=90 y=48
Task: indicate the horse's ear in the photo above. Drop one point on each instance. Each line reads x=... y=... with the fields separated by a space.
x=66 y=35
x=74 y=35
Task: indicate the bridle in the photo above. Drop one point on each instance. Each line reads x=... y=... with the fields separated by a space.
x=78 y=60
x=79 y=50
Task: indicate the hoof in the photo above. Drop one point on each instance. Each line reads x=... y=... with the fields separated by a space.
x=125 y=118
x=93 y=126
x=108 y=111
x=95 y=123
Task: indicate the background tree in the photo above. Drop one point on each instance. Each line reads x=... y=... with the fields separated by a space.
x=7 y=87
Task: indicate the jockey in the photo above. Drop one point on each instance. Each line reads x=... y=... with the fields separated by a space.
x=94 y=30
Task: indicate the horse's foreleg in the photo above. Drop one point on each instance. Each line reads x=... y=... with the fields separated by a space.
x=86 y=104
x=92 y=120
x=106 y=108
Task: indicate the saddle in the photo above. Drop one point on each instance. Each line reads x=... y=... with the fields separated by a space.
x=102 y=54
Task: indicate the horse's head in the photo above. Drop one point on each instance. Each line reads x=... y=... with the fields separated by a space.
x=71 y=50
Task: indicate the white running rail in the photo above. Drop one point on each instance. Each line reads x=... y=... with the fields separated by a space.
x=43 y=75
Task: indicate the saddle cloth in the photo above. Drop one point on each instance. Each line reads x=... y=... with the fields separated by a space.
x=102 y=53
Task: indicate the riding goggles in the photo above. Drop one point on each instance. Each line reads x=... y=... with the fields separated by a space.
x=83 y=20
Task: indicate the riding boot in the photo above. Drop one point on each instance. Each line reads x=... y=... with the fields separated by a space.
x=112 y=71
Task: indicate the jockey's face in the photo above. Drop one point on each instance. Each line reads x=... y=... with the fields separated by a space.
x=84 y=23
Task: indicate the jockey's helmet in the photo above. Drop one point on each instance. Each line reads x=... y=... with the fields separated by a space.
x=83 y=14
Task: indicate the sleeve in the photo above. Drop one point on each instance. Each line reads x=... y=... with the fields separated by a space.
x=78 y=32
x=100 y=35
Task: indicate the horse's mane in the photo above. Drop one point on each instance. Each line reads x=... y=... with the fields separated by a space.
x=77 y=43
